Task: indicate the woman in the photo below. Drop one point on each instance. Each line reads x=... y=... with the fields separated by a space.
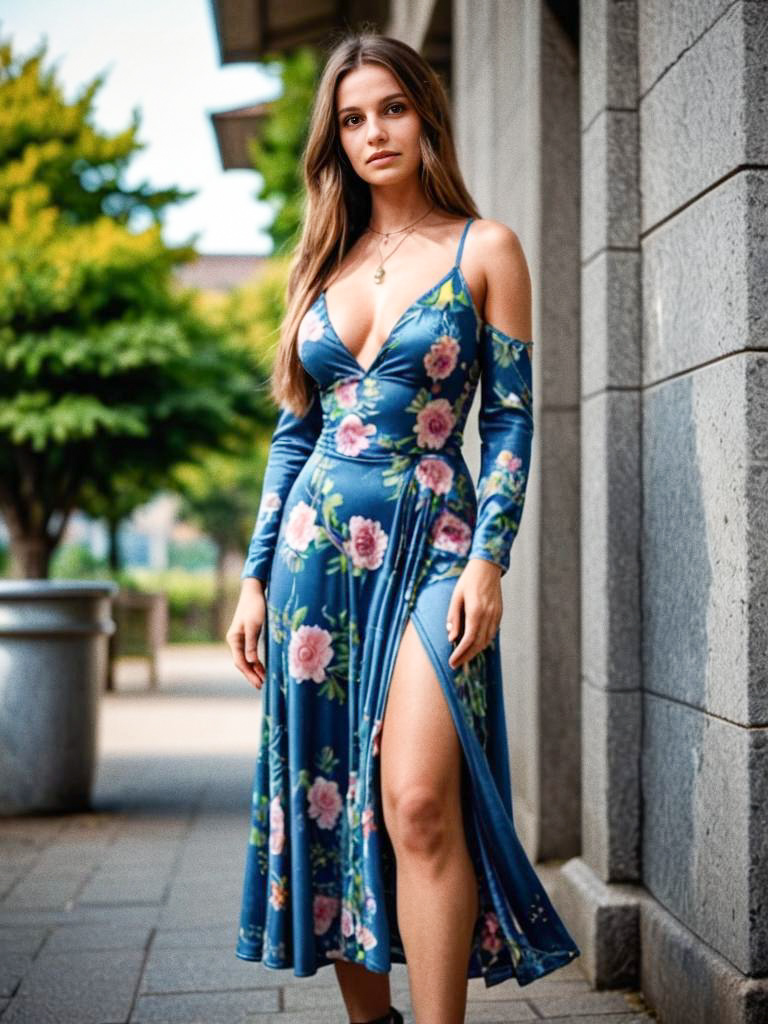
x=382 y=816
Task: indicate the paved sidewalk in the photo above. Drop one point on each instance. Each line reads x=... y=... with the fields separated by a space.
x=129 y=913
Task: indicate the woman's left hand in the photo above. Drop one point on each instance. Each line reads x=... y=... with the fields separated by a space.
x=476 y=602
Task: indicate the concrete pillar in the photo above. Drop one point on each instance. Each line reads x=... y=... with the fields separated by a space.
x=674 y=464
x=515 y=90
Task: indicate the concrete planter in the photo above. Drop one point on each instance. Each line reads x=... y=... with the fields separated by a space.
x=53 y=661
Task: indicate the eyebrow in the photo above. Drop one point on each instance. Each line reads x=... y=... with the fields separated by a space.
x=392 y=96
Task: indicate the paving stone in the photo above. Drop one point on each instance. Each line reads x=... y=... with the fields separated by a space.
x=211 y=1008
x=595 y=1018
x=320 y=1015
x=518 y=1010
x=209 y=911
x=86 y=914
x=72 y=937
x=310 y=995
x=224 y=935
x=118 y=886
x=610 y=1001
x=511 y=991
x=22 y=940
x=201 y=970
x=325 y=977
x=42 y=894
x=77 y=988
x=13 y=967
x=293 y=985
x=21 y=918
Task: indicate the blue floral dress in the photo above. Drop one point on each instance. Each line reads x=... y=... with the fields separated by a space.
x=367 y=517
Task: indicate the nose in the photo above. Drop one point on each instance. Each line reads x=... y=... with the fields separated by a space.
x=376 y=130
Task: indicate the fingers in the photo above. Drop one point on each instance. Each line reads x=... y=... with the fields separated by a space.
x=242 y=643
x=455 y=612
x=480 y=628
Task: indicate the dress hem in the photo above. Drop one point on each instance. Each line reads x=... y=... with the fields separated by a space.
x=505 y=972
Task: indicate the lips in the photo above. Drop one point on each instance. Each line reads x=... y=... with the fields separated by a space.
x=379 y=156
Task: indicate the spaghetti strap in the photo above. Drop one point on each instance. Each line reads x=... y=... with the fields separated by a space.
x=461 y=241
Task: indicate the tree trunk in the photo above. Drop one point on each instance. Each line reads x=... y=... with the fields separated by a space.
x=113 y=554
x=30 y=557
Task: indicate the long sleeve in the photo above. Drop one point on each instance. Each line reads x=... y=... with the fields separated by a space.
x=505 y=422
x=292 y=443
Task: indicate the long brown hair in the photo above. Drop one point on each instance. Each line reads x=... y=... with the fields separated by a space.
x=337 y=202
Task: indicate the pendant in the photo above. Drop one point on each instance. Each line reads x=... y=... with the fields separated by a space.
x=378 y=276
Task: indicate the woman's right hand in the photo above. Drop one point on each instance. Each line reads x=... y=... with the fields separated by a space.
x=243 y=635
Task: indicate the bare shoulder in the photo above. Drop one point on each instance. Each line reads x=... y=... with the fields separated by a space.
x=507 y=304
x=500 y=249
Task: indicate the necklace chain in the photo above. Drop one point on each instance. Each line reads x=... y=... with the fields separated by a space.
x=378 y=275
x=388 y=233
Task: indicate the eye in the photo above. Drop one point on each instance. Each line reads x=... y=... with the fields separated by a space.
x=396 y=103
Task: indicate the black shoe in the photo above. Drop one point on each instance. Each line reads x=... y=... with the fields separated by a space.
x=392 y=1016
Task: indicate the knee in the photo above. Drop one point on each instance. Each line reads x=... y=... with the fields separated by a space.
x=418 y=822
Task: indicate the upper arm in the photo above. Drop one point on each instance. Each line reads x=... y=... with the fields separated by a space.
x=508 y=304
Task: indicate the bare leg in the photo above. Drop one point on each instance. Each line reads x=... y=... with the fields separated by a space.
x=437 y=903
x=365 y=993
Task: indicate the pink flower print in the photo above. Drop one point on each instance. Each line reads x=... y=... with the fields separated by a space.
x=508 y=460
x=309 y=652
x=451 y=533
x=271 y=500
x=440 y=361
x=277 y=894
x=310 y=327
x=300 y=528
x=367 y=542
x=352 y=435
x=365 y=936
x=435 y=423
x=324 y=910
x=347 y=922
x=375 y=735
x=324 y=802
x=491 y=940
x=346 y=393
x=435 y=473
x=368 y=822
x=370 y=901
x=276 y=826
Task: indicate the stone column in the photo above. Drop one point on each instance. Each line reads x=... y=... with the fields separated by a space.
x=605 y=917
x=516 y=96
x=674 y=469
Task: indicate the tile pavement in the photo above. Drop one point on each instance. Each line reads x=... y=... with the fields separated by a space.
x=128 y=912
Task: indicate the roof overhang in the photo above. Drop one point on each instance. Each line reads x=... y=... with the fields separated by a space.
x=248 y=30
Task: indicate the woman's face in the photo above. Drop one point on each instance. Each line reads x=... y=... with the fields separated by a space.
x=374 y=114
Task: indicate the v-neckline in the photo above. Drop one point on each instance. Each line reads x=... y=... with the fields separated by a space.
x=456 y=268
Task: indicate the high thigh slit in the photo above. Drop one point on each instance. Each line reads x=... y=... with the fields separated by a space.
x=390 y=883
x=367 y=518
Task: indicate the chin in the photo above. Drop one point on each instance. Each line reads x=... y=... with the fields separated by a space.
x=390 y=174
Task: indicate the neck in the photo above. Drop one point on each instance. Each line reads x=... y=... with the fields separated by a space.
x=395 y=206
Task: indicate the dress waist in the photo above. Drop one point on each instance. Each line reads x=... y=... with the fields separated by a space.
x=353 y=450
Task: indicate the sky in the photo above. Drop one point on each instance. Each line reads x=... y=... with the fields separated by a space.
x=162 y=57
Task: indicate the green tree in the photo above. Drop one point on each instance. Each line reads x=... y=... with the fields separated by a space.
x=110 y=376
x=220 y=493
x=276 y=152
